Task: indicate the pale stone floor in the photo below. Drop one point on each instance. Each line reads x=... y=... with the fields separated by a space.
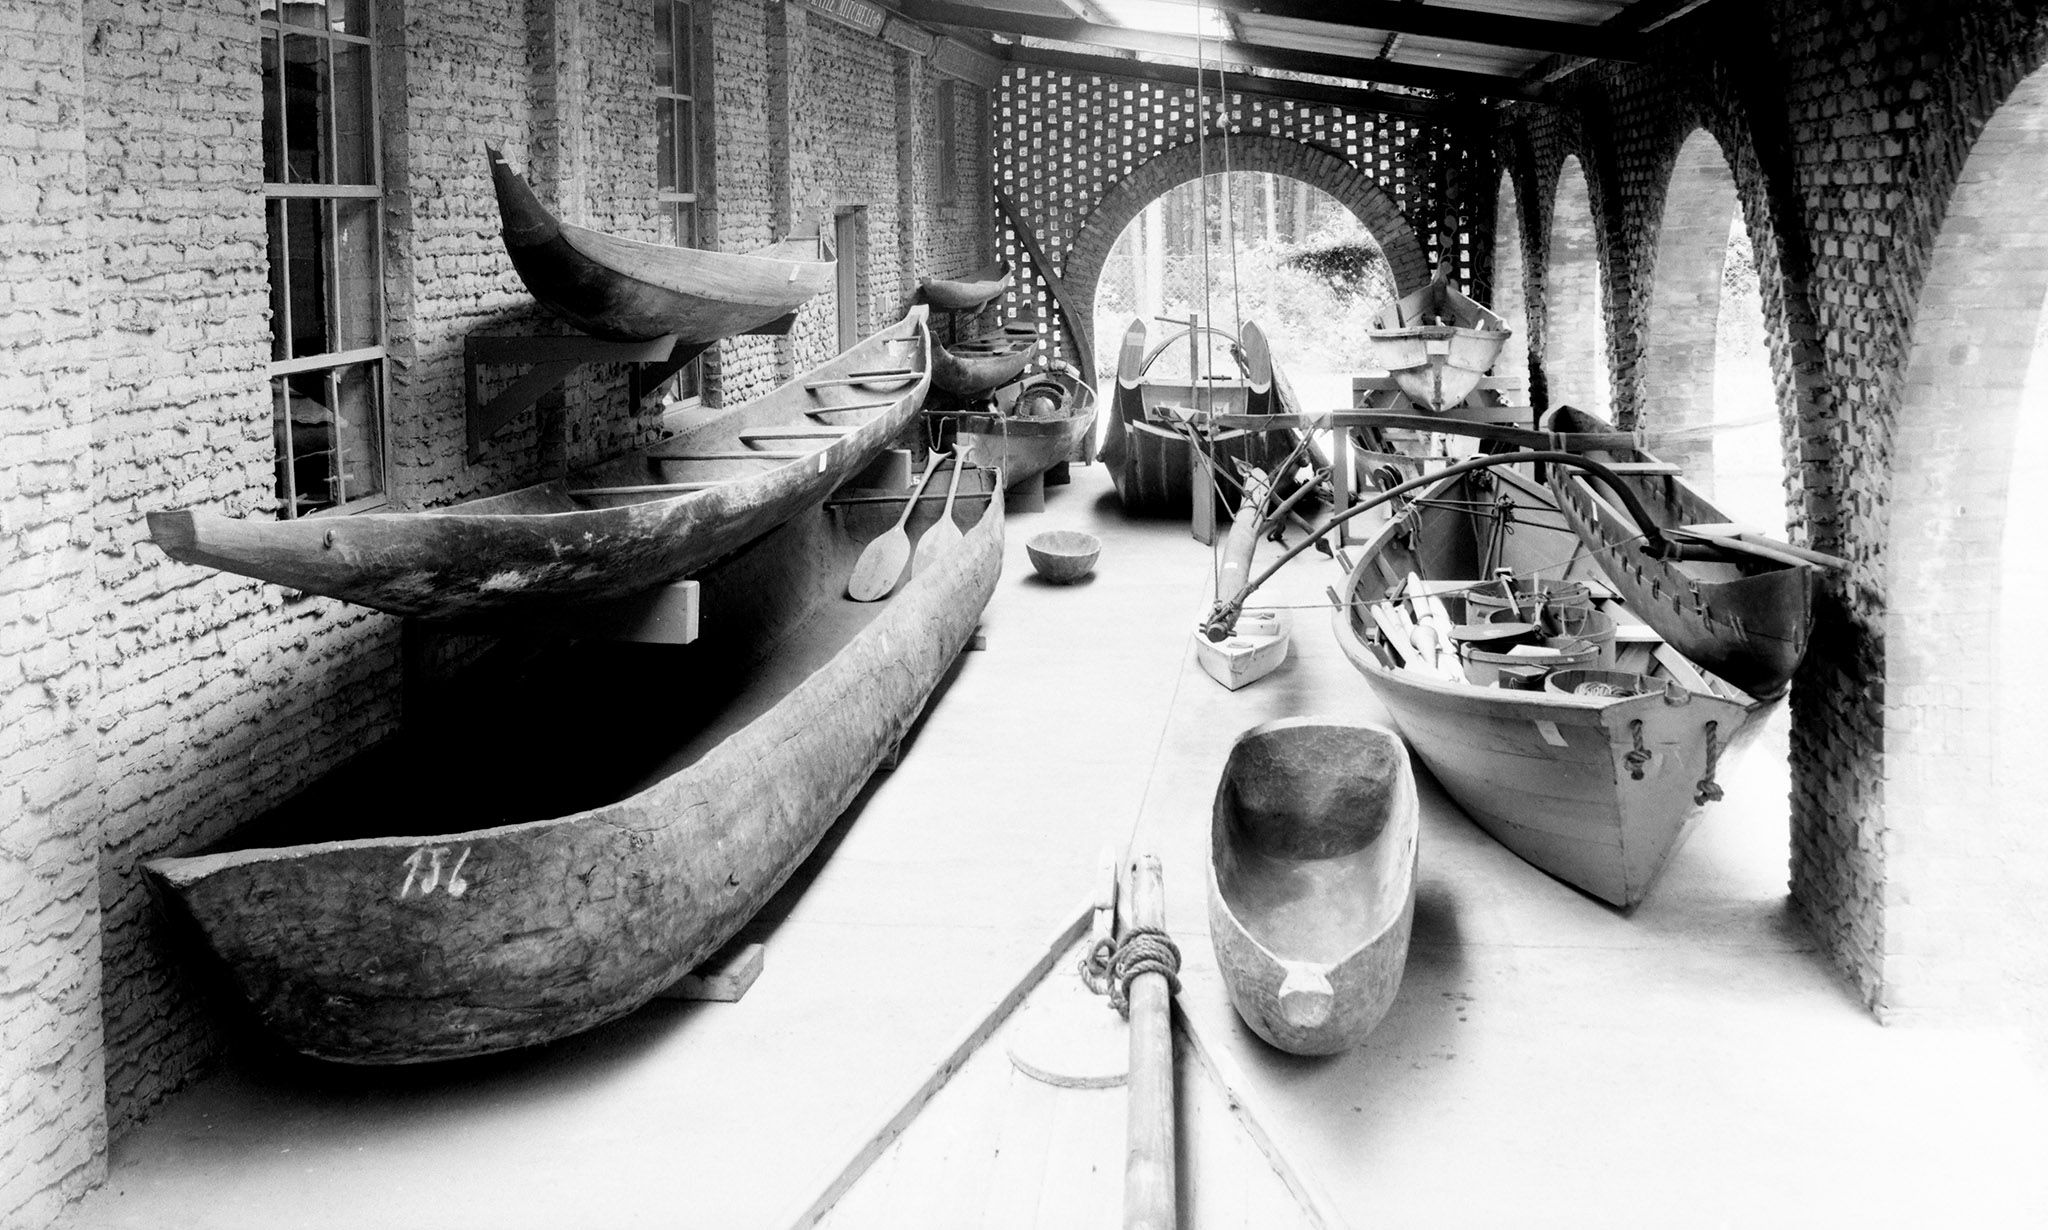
x=1549 y=1061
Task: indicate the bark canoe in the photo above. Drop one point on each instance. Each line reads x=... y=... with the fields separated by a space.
x=628 y=290
x=623 y=526
x=725 y=761
x=973 y=367
x=1593 y=785
x=1747 y=618
x=1314 y=843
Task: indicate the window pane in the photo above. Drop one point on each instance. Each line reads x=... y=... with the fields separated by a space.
x=311 y=13
x=355 y=275
x=360 y=446
x=663 y=58
x=302 y=422
x=305 y=109
x=305 y=266
x=349 y=16
x=685 y=76
x=355 y=152
x=665 y=144
x=280 y=300
x=686 y=147
x=273 y=111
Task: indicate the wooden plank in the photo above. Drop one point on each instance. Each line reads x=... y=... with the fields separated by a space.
x=869 y=1145
x=1643 y=467
x=723 y=979
x=1221 y=1065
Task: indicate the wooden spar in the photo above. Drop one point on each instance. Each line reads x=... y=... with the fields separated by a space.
x=1499 y=433
x=1076 y=322
x=1149 y=1168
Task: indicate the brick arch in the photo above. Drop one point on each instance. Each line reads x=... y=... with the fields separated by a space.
x=1317 y=167
x=1680 y=350
x=1510 y=296
x=1575 y=342
x=1965 y=864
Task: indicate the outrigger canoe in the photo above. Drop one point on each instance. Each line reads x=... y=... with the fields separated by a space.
x=1314 y=844
x=628 y=290
x=585 y=862
x=1746 y=614
x=617 y=528
x=1583 y=744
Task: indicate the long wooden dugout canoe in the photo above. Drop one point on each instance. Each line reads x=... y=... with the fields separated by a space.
x=1147 y=444
x=1746 y=617
x=1315 y=840
x=1437 y=342
x=1032 y=428
x=648 y=517
x=1591 y=776
x=628 y=290
x=969 y=290
x=612 y=846
x=981 y=363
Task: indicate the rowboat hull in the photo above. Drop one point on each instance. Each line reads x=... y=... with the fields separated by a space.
x=1437 y=343
x=1025 y=445
x=1595 y=790
x=969 y=291
x=1747 y=622
x=1314 y=848
x=630 y=291
x=435 y=945
x=982 y=363
x=632 y=523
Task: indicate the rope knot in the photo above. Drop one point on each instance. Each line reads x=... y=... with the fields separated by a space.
x=1145 y=950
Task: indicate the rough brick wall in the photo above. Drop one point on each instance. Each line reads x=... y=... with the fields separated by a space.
x=1845 y=124
x=52 y=1121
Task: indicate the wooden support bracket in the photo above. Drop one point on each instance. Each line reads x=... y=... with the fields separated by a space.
x=550 y=361
x=723 y=979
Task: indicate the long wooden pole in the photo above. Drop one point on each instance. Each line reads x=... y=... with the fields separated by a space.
x=1149 y=1198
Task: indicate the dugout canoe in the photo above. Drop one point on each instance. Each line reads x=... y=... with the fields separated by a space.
x=628 y=290
x=1436 y=342
x=1593 y=774
x=968 y=291
x=1314 y=843
x=1746 y=616
x=973 y=367
x=1155 y=424
x=1032 y=428
x=728 y=476
x=589 y=860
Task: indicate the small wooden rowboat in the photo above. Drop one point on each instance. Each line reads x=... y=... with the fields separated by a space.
x=617 y=528
x=1156 y=426
x=1593 y=771
x=1313 y=849
x=1030 y=428
x=1256 y=644
x=1745 y=614
x=600 y=857
x=626 y=290
x=1437 y=343
x=968 y=291
x=972 y=367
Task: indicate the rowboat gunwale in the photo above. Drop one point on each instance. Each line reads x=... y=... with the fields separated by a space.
x=1611 y=834
x=628 y=895
x=533 y=548
x=622 y=289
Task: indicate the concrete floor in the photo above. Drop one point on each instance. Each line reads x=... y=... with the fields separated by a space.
x=1549 y=1061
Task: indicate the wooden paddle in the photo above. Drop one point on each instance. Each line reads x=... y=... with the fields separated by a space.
x=881 y=562
x=1730 y=536
x=944 y=534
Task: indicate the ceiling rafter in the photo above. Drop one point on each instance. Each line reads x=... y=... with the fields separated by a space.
x=1242 y=55
x=1608 y=41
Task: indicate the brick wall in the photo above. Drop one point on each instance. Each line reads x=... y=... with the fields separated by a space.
x=149 y=707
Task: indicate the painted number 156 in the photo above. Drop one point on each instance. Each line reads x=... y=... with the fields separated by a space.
x=424 y=869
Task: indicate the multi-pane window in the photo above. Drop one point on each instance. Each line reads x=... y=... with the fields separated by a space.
x=676 y=156
x=322 y=186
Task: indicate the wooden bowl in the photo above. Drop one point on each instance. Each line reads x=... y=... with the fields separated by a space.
x=1063 y=556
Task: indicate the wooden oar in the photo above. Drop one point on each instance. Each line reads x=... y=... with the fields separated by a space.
x=1732 y=537
x=944 y=534
x=881 y=562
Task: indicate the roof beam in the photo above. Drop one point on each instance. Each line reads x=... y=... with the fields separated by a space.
x=1241 y=55
x=1603 y=42
x=1406 y=105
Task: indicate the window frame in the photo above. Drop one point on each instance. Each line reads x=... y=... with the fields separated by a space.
x=327 y=196
x=682 y=211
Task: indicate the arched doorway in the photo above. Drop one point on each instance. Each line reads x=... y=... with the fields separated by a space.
x=1965 y=873
x=1708 y=400
x=1510 y=299
x=1574 y=302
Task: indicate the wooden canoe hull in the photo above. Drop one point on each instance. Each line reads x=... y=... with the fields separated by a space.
x=969 y=291
x=1151 y=463
x=547 y=546
x=982 y=364
x=629 y=291
x=1595 y=791
x=1315 y=843
x=1748 y=623
x=423 y=947
x=1023 y=446
x=1437 y=343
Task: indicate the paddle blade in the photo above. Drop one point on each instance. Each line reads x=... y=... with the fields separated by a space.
x=879 y=568
x=938 y=540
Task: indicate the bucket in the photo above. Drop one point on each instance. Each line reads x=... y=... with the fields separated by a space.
x=1581 y=623
x=1483 y=666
